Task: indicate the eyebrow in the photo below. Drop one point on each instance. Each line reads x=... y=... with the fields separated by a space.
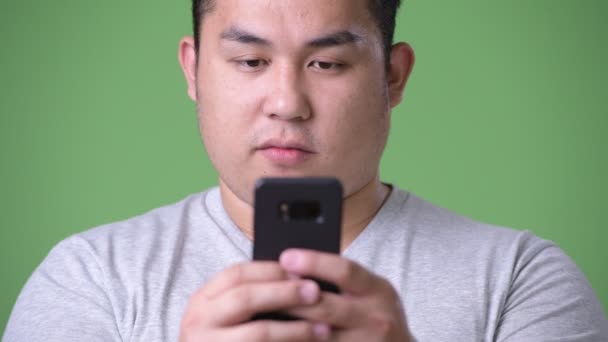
x=335 y=39
x=238 y=35
x=338 y=38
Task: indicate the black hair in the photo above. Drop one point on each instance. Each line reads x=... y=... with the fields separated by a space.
x=383 y=11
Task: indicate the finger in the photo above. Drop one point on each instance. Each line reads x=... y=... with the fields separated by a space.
x=347 y=275
x=336 y=310
x=273 y=331
x=240 y=303
x=251 y=272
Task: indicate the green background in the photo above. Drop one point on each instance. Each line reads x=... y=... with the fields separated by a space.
x=504 y=120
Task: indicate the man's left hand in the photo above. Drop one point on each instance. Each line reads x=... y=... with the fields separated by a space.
x=368 y=309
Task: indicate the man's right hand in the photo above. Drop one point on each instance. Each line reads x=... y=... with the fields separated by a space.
x=221 y=310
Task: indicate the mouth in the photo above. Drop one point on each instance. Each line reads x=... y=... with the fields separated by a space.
x=285 y=153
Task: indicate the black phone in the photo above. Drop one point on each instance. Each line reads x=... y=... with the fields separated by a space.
x=296 y=213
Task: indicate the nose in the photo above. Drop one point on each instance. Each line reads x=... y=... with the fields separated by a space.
x=287 y=97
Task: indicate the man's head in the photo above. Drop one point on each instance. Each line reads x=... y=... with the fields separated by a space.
x=383 y=11
x=293 y=88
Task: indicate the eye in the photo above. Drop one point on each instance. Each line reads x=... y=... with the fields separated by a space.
x=251 y=64
x=327 y=66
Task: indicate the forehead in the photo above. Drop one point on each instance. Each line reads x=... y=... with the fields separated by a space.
x=291 y=20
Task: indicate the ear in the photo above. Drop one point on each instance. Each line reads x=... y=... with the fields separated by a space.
x=187 y=59
x=402 y=63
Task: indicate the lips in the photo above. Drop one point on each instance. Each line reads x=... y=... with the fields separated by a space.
x=285 y=153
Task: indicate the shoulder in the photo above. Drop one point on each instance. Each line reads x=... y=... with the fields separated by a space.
x=152 y=222
x=118 y=249
x=433 y=224
x=154 y=228
x=452 y=249
x=527 y=278
x=505 y=277
x=104 y=274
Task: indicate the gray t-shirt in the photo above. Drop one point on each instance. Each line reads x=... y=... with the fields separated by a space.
x=459 y=280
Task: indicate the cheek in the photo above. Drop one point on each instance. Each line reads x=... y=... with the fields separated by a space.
x=225 y=107
x=357 y=109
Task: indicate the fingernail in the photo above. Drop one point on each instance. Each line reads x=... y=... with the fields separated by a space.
x=309 y=291
x=321 y=331
x=289 y=259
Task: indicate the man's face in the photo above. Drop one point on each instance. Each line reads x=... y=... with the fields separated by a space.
x=292 y=88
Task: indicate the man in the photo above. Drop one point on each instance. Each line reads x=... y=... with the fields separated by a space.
x=302 y=88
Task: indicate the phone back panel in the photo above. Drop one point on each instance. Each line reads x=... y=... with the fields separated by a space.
x=283 y=211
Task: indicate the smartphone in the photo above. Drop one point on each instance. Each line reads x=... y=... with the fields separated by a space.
x=296 y=213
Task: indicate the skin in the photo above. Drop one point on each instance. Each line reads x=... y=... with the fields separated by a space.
x=267 y=78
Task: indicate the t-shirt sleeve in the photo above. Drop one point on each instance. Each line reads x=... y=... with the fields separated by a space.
x=550 y=300
x=64 y=300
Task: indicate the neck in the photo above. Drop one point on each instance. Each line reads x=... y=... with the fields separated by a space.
x=359 y=208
